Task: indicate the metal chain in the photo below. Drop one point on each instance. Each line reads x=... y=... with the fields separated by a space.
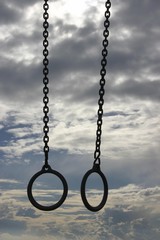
x=45 y=81
x=97 y=152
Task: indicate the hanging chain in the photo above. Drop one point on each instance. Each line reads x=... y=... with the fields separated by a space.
x=97 y=152
x=45 y=81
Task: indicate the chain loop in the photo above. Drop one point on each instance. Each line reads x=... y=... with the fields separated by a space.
x=97 y=152
x=45 y=81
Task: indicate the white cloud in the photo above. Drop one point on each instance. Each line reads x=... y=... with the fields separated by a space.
x=8 y=181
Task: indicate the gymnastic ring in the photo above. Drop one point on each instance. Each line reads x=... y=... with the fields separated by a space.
x=44 y=170
x=96 y=169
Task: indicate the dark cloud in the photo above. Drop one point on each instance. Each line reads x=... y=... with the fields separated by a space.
x=62 y=27
x=142 y=12
x=134 y=41
x=72 y=55
x=27 y=212
x=19 y=39
x=131 y=222
x=7 y=222
x=12 y=226
x=22 y=3
x=74 y=61
x=7 y=14
x=17 y=86
x=148 y=90
x=69 y=56
x=79 y=56
x=116 y=113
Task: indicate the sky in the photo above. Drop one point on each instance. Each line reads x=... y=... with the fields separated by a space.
x=131 y=124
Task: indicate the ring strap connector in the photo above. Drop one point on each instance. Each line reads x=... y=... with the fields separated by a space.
x=96 y=167
x=46 y=167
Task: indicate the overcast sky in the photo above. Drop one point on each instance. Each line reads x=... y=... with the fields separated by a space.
x=131 y=126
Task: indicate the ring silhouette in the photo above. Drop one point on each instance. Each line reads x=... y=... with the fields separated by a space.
x=30 y=186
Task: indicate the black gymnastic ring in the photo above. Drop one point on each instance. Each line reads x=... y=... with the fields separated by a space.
x=30 y=185
x=96 y=168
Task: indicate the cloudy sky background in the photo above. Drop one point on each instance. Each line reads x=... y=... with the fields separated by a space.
x=131 y=127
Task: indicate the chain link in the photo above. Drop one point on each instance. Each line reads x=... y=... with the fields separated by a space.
x=97 y=152
x=45 y=81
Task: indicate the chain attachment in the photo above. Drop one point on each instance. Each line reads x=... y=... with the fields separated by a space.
x=46 y=82
x=97 y=152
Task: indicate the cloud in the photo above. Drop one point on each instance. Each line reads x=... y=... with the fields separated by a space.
x=131 y=219
x=12 y=226
x=8 y=181
x=84 y=39
x=24 y=51
x=7 y=222
x=22 y=3
x=8 y=15
x=24 y=212
x=130 y=212
x=130 y=139
x=148 y=90
x=116 y=113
